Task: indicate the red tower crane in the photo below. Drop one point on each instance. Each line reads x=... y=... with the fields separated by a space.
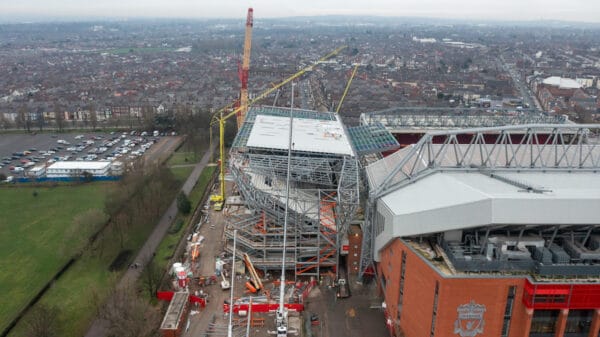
x=245 y=69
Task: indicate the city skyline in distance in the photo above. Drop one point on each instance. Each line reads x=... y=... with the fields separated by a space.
x=486 y=10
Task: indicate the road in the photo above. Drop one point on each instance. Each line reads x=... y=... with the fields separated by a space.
x=99 y=327
x=526 y=94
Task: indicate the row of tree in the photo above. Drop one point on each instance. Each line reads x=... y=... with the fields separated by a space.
x=147 y=117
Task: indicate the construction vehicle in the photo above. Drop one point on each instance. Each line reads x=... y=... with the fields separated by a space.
x=220 y=119
x=207 y=280
x=224 y=283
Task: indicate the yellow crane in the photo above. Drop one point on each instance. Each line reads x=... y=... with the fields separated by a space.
x=220 y=118
x=347 y=87
x=245 y=70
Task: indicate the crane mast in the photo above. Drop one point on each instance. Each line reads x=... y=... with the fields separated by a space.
x=245 y=69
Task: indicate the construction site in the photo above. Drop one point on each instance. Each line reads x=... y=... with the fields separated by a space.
x=274 y=234
x=302 y=232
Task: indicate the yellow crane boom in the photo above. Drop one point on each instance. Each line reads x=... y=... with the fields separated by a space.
x=347 y=87
x=218 y=117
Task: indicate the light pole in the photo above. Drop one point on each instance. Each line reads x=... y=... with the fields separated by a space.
x=281 y=319
x=230 y=326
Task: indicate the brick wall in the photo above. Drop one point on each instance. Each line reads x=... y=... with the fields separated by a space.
x=419 y=288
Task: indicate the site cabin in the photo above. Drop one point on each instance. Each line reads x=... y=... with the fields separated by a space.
x=173 y=324
x=37 y=171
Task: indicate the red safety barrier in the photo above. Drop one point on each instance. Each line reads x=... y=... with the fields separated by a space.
x=199 y=300
x=262 y=307
x=165 y=295
x=168 y=296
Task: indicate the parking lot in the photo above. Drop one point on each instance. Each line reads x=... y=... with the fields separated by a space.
x=21 y=152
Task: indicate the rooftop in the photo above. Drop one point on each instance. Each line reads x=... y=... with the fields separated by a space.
x=452 y=200
x=310 y=135
x=79 y=165
x=175 y=311
x=561 y=82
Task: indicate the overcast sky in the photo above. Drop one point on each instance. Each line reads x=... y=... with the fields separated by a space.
x=567 y=10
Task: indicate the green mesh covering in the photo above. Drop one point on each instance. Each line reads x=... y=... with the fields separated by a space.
x=372 y=138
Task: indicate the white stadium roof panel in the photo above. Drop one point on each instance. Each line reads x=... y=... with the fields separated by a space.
x=445 y=201
x=311 y=135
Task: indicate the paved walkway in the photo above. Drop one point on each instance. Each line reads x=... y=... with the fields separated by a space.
x=182 y=165
x=100 y=326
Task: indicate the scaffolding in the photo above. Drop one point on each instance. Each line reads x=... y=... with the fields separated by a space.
x=323 y=198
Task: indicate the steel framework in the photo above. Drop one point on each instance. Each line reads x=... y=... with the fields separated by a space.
x=452 y=118
x=541 y=147
x=323 y=198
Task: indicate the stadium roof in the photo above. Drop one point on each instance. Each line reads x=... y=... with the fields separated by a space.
x=446 y=201
x=311 y=135
x=372 y=138
x=550 y=177
x=421 y=119
x=541 y=147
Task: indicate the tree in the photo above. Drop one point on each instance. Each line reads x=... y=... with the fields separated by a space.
x=40 y=120
x=128 y=315
x=59 y=116
x=23 y=118
x=93 y=116
x=183 y=203
x=41 y=321
x=87 y=176
x=83 y=225
x=151 y=277
x=148 y=117
x=5 y=123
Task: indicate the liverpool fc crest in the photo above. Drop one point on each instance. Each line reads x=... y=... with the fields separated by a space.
x=470 y=319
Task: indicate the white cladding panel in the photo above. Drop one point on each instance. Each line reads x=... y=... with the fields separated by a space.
x=447 y=201
x=312 y=135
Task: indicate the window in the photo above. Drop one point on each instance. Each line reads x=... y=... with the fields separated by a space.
x=401 y=293
x=550 y=298
x=510 y=299
x=435 y=304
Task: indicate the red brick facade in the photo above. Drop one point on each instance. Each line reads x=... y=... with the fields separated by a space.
x=419 y=288
x=354 y=249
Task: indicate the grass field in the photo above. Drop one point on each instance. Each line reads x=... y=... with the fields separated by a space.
x=182 y=173
x=33 y=230
x=73 y=293
x=179 y=158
